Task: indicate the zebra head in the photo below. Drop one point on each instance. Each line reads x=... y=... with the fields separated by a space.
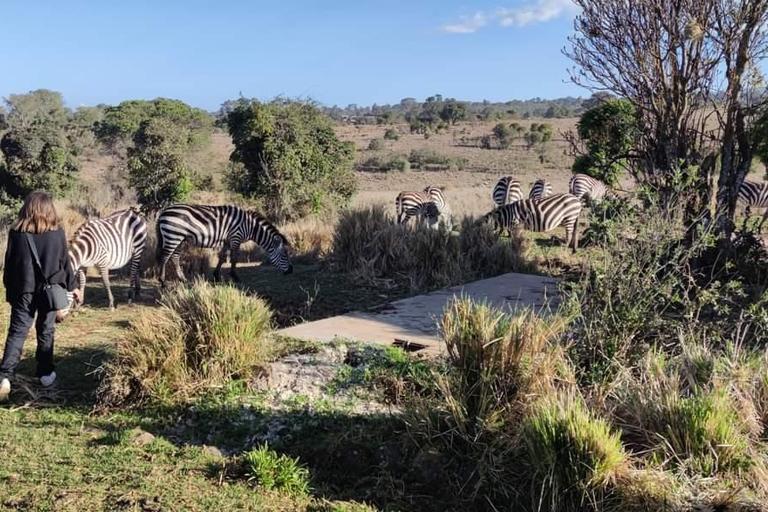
x=278 y=254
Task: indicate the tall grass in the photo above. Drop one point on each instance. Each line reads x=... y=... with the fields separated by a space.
x=370 y=246
x=569 y=459
x=200 y=336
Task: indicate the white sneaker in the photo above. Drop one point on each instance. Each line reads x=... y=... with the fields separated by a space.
x=47 y=380
x=5 y=390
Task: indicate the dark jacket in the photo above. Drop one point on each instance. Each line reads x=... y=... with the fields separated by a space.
x=20 y=275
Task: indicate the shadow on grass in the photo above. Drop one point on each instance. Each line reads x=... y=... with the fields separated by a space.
x=363 y=458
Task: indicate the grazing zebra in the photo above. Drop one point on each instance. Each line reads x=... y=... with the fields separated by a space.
x=110 y=243
x=428 y=204
x=217 y=226
x=507 y=190
x=540 y=190
x=543 y=215
x=755 y=194
x=587 y=188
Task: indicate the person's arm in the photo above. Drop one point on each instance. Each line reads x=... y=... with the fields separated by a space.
x=7 y=267
x=70 y=276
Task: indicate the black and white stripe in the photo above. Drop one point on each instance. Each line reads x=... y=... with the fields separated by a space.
x=543 y=215
x=507 y=190
x=587 y=188
x=540 y=190
x=754 y=195
x=428 y=204
x=110 y=243
x=225 y=227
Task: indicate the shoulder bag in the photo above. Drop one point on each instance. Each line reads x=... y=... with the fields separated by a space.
x=53 y=296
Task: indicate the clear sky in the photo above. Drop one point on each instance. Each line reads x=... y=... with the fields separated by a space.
x=334 y=51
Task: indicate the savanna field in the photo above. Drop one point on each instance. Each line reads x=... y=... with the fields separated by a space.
x=645 y=389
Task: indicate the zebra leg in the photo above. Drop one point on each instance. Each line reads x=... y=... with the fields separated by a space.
x=81 y=285
x=135 y=290
x=176 y=258
x=104 y=271
x=222 y=259
x=234 y=250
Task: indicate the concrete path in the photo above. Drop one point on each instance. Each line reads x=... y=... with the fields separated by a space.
x=413 y=322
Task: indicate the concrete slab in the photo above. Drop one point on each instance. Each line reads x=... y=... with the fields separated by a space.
x=413 y=321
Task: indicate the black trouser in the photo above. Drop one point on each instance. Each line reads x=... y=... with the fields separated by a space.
x=23 y=310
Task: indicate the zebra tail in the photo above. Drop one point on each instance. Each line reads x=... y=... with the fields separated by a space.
x=158 y=243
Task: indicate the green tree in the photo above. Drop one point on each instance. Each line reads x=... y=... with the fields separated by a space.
x=37 y=157
x=290 y=158
x=609 y=131
x=122 y=122
x=40 y=107
x=156 y=168
x=453 y=111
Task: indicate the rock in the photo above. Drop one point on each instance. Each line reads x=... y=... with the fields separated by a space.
x=141 y=438
x=212 y=451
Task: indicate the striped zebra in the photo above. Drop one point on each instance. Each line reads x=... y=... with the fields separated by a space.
x=754 y=195
x=543 y=215
x=507 y=190
x=110 y=243
x=226 y=227
x=540 y=190
x=587 y=188
x=428 y=204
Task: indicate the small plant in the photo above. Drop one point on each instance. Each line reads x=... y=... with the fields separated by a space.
x=273 y=472
x=430 y=159
x=391 y=134
x=376 y=145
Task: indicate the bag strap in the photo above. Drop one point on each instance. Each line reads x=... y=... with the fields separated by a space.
x=36 y=257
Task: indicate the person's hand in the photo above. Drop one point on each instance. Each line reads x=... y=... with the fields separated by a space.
x=78 y=294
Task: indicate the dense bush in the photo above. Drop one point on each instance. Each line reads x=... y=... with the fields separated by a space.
x=291 y=158
x=201 y=336
x=432 y=160
x=369 y=245
x=377 y=145
x=609 y=131
x=391 y=134
x=156 y=168
x=385 y=164
x=121 y=122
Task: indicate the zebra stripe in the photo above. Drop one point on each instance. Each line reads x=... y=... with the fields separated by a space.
x=110 y=243
x=540 y=190
x=226 y=227
x=507 y=190
x=543 y=215
x=754 y=195
x=587 y=188
x=428 y=204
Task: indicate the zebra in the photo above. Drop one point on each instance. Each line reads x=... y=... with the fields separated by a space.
x=507 y=190
x=540 y=190
x=226 y=227
x=587 y=188
x=110 y=243
x=428 y=204
x=754 y=194
x=543 y=215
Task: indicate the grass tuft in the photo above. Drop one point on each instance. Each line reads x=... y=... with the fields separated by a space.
x=273 y=472
x=200 y=336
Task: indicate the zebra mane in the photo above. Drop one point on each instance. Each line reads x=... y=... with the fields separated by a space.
x=264 y=223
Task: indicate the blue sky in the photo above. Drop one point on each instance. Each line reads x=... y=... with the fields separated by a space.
x=336 y=52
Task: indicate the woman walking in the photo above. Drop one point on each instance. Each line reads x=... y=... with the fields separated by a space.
x=36 y=263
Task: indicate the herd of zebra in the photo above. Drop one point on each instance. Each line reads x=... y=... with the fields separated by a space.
x=114 y=241
x=542 y=211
